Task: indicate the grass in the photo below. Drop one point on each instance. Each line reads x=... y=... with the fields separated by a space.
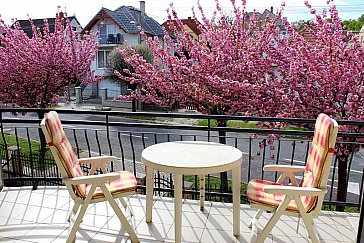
x=27 y=148
x=215 y=184
x=232 y=124
x=143 y=118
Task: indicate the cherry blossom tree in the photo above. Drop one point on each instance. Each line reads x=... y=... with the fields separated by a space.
x=326 y=75
x=228 y=69
x=245 y=66
x=35 y=71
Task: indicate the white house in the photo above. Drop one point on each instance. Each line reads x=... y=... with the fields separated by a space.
x=115 y=28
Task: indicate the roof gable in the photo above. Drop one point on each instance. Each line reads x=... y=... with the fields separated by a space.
x=127 y=18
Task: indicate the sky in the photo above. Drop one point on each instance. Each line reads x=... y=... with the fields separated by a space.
x=85 y=10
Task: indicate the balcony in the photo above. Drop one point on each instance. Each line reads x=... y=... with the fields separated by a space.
x=111 y=39
x=41 y=216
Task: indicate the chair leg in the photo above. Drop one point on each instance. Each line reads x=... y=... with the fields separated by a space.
x=119 y=213
x=74 y=211
x=122 y=200
x=307 y=220
x=74 y=225
x=125 y=205
x=256 y=217
x=273 y=220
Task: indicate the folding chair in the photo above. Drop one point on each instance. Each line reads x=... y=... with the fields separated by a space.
x=86 y=189
x=304 y=200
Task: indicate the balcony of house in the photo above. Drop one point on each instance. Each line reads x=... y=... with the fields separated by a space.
x=111 y=39
x=35 y=204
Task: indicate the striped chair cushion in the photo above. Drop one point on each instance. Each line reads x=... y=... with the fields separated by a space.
x=64 y=150
x=126 y=183
x=319 y=150
x=256 y=195
x=315 y=166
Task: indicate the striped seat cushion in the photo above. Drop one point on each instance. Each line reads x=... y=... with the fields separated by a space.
x=313 y=175
x=256 y=195
x=126 y=183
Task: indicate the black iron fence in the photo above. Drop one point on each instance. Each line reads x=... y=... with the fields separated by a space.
x=126 y=134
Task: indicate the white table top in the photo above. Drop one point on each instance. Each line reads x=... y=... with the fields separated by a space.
x=191 y=157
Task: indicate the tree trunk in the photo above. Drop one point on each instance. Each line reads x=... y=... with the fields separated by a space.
x=43 y=145
x=342 y=179
x=222 y=139
x=133 y=105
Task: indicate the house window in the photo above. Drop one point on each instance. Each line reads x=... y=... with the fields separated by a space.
x=102 y=59
x=362 y=38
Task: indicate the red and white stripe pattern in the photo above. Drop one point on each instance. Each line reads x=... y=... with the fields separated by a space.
x=64 y=150
x=126 y=183
x=67 y=156
x=316 y=162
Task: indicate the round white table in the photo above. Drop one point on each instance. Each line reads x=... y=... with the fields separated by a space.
x=192 y=158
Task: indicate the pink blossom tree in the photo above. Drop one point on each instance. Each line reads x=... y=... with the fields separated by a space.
x=229 y=68
x=35 y=71
x=325 y=75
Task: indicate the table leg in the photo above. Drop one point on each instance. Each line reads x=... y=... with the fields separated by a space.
x=236 y=199
x=149 y=196
x=202 y=192
x=178 y=207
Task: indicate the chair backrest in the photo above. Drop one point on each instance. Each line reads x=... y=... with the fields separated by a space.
x=62 y=150
x=319 y=159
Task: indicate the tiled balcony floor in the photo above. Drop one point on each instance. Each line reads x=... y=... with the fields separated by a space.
x=40 y=216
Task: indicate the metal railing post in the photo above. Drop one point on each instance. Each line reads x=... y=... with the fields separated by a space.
x=360 y=235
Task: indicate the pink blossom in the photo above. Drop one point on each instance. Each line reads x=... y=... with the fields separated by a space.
x=35 y=71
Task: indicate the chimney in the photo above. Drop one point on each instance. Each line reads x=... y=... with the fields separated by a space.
x=142 y=7
x=271 y=9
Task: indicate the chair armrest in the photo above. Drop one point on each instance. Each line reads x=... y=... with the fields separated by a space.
x=92 y=179
x=97 y=160
x=284 y=168
x=294 y=190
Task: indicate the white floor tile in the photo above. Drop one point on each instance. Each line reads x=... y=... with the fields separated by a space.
x=114 y=226
x=41 y=216
x=217 y=236
x=10 y=240
x=16 y=231
x=55 y=217
x=102 y=237
x=190 y=219
x=12 y=209
x=284 y=239
x=13 y=194
x=164 y=216
x=219 y=222
x=44 y=233
x=189 y=234
x=82 y=236
x=153 y=231
x=36 y=214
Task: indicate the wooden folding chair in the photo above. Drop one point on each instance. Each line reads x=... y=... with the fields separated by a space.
x=86 y=189
x=304 y=200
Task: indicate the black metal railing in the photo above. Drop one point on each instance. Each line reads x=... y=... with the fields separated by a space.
x=119 y=134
